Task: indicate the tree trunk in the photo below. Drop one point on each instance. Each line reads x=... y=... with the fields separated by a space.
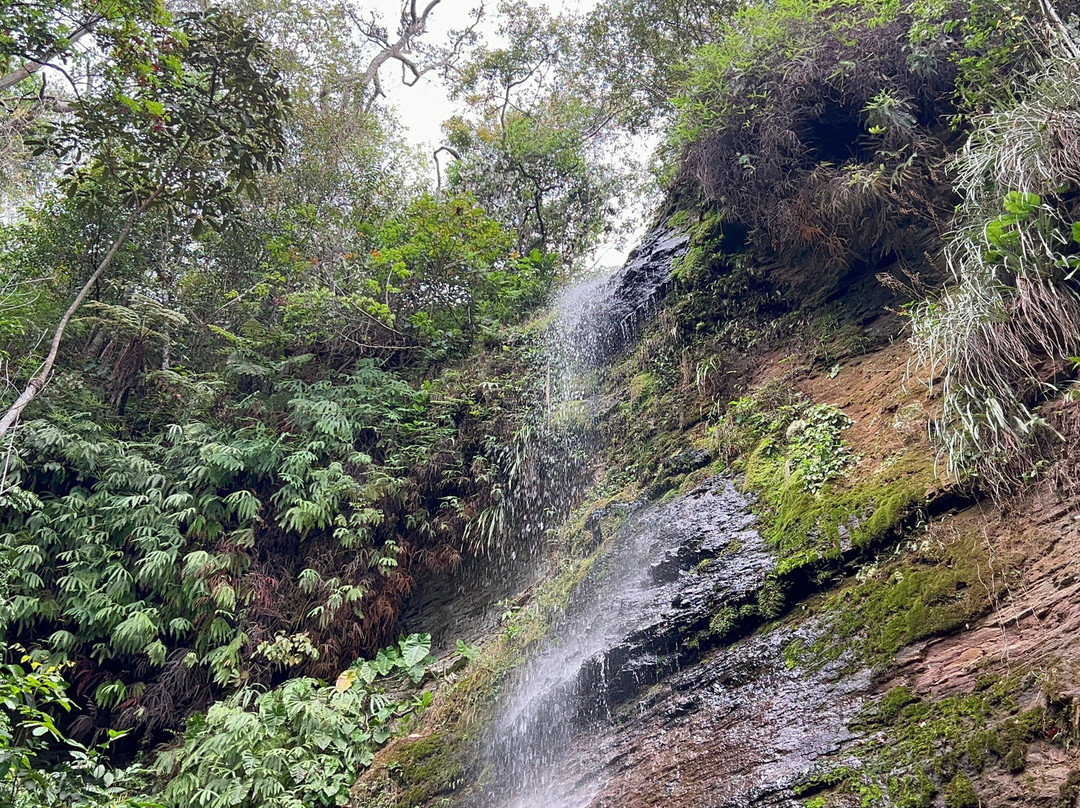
x=40 y=379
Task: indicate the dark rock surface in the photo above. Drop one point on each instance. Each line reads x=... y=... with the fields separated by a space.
x=637 y=619
x=739 y=728
x=611 y=314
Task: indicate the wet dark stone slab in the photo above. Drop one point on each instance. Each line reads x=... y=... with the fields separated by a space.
x=612 y=316
x=739 y=728
x=648 y=714
x=634 y=621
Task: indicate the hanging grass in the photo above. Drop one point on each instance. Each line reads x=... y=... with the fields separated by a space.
x=1003 y=335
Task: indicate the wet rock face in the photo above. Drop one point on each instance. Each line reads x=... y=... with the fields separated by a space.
x=635 y=621
x=737 y=729
x=707 y=556
x=623 y=706
x=609 y=317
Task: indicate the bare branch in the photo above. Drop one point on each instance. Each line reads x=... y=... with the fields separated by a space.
x=40 y=379
x=1059 y=33
x=404 y=49
x=438 y=169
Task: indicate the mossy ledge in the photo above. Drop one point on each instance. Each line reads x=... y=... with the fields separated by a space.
x=920 y=752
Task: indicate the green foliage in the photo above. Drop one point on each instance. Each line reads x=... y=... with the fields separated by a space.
x=815 y=130
x=807 y=438
x=998 y=45
x=45 y=32
x=252 y=448
x=531 y=146
x=301 y=744
x=26 y=729
x=817 y=451
x=159 y=540
x=162 y=128
x=795 y=460
x=445 y=265
x=39 y=766
x=639 y=48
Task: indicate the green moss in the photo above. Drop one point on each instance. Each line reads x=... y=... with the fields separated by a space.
x=932 y=590
x=426 y=767
x=1069 y=790
x=960 y=793
x=811 y=503
x=925 y=747
x=641 y=386
x=807 y=527
x=830 y=784
x=1012 y=737
x=823 y=780
x=892 y=703
x=679 y=218
x=912 y=791
x=794 y=653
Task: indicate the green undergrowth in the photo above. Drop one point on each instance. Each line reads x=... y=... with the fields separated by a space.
x=814 y=499
x=919 y=752
x=809 y=527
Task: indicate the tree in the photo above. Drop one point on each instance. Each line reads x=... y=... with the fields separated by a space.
x=41 y=34
x=529 y=147
x=634 y=51
x=189 y=119
x=415 y=57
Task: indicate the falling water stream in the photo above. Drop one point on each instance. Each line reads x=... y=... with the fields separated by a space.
x=614 y=706
x=562 y=689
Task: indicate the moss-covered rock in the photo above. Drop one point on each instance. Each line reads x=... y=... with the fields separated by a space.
x=960 y=793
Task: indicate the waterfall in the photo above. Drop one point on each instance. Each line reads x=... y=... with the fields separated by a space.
x=563 y=687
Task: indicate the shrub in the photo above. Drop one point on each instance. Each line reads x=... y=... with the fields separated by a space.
x=808 y=127
x=819 y=129
x=301 y=744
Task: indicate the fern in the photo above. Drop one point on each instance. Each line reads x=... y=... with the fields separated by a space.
x=301 y=744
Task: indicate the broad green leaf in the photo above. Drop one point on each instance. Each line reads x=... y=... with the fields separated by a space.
x=415 y=649
x=1021 y=203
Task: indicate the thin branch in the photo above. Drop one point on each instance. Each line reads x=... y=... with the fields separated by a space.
x=438 y=170
x=41 y=378
x=32 y=66
x=38 y=382
x=413 y=25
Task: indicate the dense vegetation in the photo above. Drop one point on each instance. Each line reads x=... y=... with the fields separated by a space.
x=262 y=380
